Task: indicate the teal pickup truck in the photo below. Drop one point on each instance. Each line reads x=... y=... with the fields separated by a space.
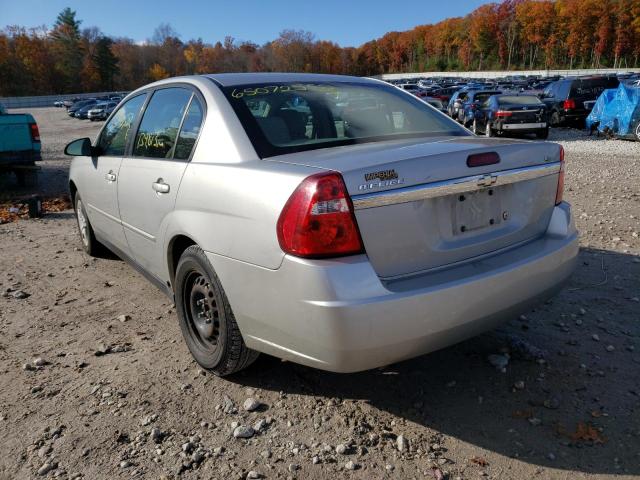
x=19 y=146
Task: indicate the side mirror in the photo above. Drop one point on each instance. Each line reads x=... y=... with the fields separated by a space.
x=80 y=148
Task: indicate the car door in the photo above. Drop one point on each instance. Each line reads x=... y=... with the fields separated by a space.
x=101 y=192
x=150 y=175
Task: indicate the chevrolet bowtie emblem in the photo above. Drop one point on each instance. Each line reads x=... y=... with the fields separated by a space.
x=487 y=180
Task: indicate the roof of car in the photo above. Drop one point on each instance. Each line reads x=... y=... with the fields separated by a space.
x=234 y=79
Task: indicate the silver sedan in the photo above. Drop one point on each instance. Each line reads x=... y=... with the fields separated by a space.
x=337 y=222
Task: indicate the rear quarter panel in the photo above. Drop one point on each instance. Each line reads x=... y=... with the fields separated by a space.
x=232 y=209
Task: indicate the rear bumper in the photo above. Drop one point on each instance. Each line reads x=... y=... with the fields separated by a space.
x=338 y=315
x=521 y=127
x=24 y=157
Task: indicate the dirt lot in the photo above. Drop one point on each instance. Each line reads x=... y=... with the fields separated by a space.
x=97 y=383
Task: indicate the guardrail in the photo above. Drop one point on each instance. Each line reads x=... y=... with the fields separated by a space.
x=47 y=100
x=505 y=73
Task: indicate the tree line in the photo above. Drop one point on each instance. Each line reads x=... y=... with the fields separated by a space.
x=512 y=34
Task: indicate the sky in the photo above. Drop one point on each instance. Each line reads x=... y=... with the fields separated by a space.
x=346 y=22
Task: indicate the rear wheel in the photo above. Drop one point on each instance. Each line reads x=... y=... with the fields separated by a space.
x=554 y=120
x=638 y=132
x=543 y=134
x=206 y=319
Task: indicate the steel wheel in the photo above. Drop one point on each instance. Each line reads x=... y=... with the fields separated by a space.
x=203 y=315
x=83 y=225
x=90 y=244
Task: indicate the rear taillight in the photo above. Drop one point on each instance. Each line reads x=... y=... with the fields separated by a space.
x=560 y=190
x=503 y=113
x=35 y=133
x=569 y=104
x=318 y=220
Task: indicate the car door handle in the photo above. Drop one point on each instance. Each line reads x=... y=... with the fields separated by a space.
x=110 y=177
x=160 y=187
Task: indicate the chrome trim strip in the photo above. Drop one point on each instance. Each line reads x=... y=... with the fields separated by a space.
x=110 y=217
x=453 y=187
x=142 y=233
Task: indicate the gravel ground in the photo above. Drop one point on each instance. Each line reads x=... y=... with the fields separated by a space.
x=97 y=383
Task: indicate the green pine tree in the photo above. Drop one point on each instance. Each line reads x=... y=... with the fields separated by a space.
x=106 y=62
x=67 y=48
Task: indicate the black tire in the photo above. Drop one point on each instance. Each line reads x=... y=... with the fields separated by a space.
x=474 y=127
x=554 y=120
x=638 y=132
x=27 y=178
x=206 y=319
x=543 y=134
x=90 y=244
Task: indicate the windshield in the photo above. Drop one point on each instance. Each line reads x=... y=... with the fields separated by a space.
x=292 y=117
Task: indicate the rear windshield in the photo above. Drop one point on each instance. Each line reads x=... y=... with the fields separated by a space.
x=291 y=117
x=593 y=87
x=483 y=96
x=519 y=100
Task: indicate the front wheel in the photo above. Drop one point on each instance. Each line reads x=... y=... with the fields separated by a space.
x=543 y=134
x=90 y=244
x=206 y=320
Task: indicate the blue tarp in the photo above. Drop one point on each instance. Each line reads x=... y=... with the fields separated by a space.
x=617 y=111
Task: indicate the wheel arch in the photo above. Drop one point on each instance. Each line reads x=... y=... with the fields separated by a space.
x=177 y=245
x=73 y=190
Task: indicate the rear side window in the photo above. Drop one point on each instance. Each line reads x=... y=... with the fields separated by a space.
x=189 y=131
x=158 y=130
x=592 y=88
x=113 y=138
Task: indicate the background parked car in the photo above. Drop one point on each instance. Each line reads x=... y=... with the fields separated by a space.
x=474 y=99
x=570 y=100
x=436 y=103
x=80 y=104
x=82 y=113
x=511 y=114
x=101 y=111
x=19 y=146
x=456 y=101
x=69 y=103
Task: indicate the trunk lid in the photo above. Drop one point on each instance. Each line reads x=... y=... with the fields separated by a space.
x=419 y=206
x=520 y=114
